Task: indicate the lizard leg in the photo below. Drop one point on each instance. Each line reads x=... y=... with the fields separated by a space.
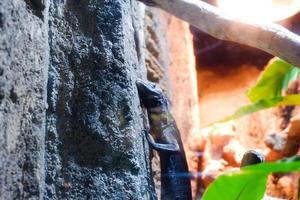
x=167 y=148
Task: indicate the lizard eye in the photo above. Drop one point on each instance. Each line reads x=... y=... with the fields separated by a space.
x=153 y=85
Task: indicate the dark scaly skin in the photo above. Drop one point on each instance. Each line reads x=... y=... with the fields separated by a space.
x=175 y=178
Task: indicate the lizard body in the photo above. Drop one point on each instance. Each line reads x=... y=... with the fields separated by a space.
x=175 y=178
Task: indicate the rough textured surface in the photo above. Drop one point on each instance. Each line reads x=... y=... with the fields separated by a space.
x=95 y=147
x=79 y=60
x=170 y=62
x=183 y=88
x=284 y=186
x=157 y=51
x=23 y=68
x=156 y=62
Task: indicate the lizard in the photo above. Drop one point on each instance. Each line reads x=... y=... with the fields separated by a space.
x=175 y=179
x=165 y=139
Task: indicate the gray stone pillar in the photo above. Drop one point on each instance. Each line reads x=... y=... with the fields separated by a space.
x=95 y=145
x=24 y=64
x=70 y=117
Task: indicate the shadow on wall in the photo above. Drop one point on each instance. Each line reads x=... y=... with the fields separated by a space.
x=36 y=6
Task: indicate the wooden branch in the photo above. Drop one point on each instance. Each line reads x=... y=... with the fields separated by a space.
x=271 y=38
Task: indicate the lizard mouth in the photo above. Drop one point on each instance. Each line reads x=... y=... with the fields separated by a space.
x=145 y=86
x=151 y=95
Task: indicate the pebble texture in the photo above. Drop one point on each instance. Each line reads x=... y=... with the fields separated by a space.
x=23 y=76
x=94 y=142
x=70 y=117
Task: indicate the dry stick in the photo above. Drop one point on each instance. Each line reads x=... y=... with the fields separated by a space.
x=269 y=37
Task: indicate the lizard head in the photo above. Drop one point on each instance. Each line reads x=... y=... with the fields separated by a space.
x=151 y=95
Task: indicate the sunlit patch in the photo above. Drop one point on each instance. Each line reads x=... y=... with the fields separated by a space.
x=260 y=10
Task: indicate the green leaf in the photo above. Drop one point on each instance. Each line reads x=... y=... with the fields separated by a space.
x=290 y=76
x=233 y=186
x=267 y=92
x=249 y=183
x=270 y=83
x=289 y=100
x=265 y=104
x=286 y=165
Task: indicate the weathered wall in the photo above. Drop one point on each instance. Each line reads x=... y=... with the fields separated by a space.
x=23 y=68
x=184 y=93
x=73 y=64
x=95 y=145
x=170 y=62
